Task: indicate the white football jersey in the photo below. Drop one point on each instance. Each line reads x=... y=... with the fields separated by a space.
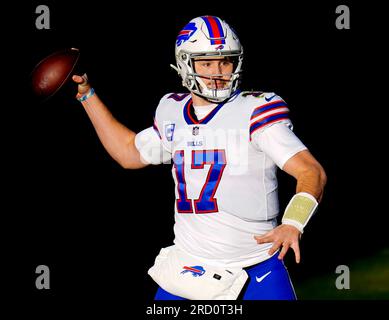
x=224 y=168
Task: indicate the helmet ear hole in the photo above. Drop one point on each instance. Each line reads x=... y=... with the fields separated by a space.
x=184 y=56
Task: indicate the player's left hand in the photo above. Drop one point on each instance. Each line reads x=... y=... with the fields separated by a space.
x=285 y=236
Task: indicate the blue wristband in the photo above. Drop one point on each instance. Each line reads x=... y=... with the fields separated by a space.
x=86 y=96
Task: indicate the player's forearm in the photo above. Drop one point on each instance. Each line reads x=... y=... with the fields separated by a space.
x=310 y=175
x=312 y=181
x=118 y=140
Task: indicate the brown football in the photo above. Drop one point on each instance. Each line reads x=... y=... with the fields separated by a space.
x=51 y=73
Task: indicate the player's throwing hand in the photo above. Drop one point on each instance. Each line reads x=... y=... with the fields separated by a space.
x=83 y=84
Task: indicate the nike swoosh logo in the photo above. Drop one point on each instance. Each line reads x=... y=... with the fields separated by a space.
x=263 y=277
x=268 y=99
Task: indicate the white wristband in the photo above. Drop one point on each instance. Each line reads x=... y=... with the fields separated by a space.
x=299 y=210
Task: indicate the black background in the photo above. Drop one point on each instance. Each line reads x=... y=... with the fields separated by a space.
x=68 y=205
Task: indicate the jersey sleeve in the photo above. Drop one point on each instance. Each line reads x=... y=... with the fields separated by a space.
x=273 y=109
x=151 y=148
x=150 y=142
x=279 y=142
x=271 y=130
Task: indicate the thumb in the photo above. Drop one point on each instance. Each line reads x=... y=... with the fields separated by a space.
x=77 y=79
x=83 y=83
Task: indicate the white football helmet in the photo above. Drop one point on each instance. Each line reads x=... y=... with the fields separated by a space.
x=207 y=36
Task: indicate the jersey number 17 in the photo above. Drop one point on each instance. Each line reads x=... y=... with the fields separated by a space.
x=206 y=203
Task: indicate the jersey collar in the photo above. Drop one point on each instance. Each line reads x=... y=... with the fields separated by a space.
x=190 y=116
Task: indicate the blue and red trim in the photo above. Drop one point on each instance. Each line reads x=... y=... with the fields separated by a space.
x=267 y=120
x=269 y=106
x=192 y=120
x=187 y=114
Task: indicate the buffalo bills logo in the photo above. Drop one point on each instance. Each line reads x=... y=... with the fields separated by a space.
x=196 y=271
x=186 y=33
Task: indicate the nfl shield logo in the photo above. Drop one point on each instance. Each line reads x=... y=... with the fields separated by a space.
x=195 y=130
x=169 y=130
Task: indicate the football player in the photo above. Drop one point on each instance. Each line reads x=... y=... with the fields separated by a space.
x=225 y=146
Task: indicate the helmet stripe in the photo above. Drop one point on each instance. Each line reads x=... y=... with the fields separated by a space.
x=215 y=29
